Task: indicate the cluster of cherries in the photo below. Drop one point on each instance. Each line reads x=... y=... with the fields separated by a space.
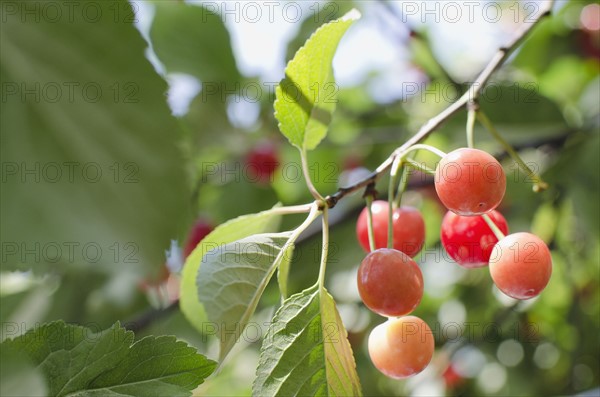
x=471 y=184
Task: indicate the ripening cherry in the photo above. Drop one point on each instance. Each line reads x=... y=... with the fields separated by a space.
x=389 y=282
x=470 y=182
x=468 y=239
x=200 y=229
x=408 y=224
x=401 y=347
x=261 y=163
x=452 y=378
x=521 y=265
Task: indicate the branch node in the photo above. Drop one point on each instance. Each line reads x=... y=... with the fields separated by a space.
x=473 y=105
x=331 y=201
x=370 y=191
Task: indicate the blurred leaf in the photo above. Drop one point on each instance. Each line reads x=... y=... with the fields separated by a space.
x=306 y=350
x=19 y=377
x=423 y=57
x=233 y=277
x=306 y=97
x=192 y=39
x=96 y=174
x=235 y=229
x=576 y=171
x=566 y=78
x=78 y=362
x=544 y=222
x=521 y=113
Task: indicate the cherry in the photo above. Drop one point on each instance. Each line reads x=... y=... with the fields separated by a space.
x=408 y=224
x=199 y=230
x=401 y=347
x=389 y=282
x=470 y=182
x=451 y=377
x=521 y=265
x=261 y=163
x=468 y=239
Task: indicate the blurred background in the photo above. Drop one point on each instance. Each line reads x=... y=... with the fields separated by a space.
x=183 y=137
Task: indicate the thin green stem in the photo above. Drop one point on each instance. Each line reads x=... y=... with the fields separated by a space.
x=420 y=167
x=403 y=178
x=497 y=232
x=305 y=171
x=391 y=203
x=369 y=200
x=390 y=228
x=313 y=214
x=324 y=248
x=422 y=146
x=293 y=209
x=471 y=116
x=402 y=187
x=538 y=184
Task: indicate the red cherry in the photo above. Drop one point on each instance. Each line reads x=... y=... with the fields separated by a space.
x=468 y=239
x=200 y=229
x=401 y=347
x=389 y=282
x=521 y=265
x=351 y=162
x=408 y=224
x=261 y=163
x=451 y=377
x=470 y=182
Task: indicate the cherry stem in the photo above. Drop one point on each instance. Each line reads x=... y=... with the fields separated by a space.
x=538 y=184
x=471 y=116
x=311 y=187
x=398 y=163
x=324 y=248
x=390 y=237
x=420 y=167
x=369 y=200
x=402 y=185
x=293 y=209
x=422 y=146
x=497 y=232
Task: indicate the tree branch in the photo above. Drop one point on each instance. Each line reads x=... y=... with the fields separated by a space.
x=468 y=97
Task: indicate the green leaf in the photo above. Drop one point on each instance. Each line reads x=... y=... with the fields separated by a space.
x=284 y=270
x=544 y=222
x=306 y=97
x=19 y=377
x=192 y=39
x=306 y=350
x=95 y=173
x=228 y=232
x=233 y=277
x=79 y=362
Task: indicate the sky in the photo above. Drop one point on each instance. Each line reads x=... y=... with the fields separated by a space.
x=464 y=36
